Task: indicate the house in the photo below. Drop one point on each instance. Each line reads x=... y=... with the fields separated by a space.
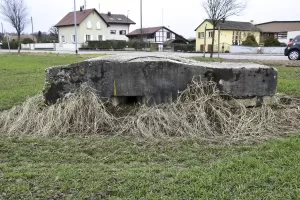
x=231 y=33
x=284 y=31
x=91 y=26
x=157 y=35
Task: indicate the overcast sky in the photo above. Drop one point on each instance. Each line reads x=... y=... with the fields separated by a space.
x=180 y=16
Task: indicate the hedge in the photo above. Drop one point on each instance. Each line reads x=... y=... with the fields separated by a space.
x=184 y=47
x=108 y=44
x=13 y=45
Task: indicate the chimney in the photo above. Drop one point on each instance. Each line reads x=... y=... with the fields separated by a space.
x=109 y=13
x=223 y=20
x=252 y=21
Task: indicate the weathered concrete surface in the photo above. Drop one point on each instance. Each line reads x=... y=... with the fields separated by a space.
x=157 y=79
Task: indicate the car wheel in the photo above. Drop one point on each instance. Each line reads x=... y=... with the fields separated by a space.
x=294 y=55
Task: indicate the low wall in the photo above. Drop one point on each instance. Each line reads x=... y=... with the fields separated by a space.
x=66 y=47
x=50 y=46
x=256 y=50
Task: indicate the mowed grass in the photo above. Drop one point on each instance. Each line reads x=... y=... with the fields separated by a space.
x=133 y=168
x=289 y=80
x=24 y=76
x=123 y=168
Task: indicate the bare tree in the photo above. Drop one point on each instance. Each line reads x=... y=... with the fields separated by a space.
x=218 y=10
x=54 y=32
x=15 y=12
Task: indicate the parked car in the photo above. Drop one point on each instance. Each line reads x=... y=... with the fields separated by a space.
x=292 y=49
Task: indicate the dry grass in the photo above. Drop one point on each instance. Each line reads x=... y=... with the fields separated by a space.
x=200 y=112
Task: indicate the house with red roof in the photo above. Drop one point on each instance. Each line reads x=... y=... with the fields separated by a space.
x=93 y=26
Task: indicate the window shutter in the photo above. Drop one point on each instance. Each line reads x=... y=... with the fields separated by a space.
x=91 y=37
x=103 y=37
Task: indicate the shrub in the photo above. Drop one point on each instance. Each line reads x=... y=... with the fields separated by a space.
x=28 y=41
x=272 y=42
x=13 y=44
x=250 y=41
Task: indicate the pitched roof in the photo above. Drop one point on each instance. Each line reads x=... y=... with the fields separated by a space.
x=145 y=31
x=68 y=20
x=234 y=25
x=279 y=26
x=116 y=19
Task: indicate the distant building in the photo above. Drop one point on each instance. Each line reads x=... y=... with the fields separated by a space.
x=232 y=33
x=157 y=35
x=93 y=26
x=284 y=31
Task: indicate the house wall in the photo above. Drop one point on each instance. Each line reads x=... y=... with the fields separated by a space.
x=161 y=36
x=117 y=28
x=226 y=37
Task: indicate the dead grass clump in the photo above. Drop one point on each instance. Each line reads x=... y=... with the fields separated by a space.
x=199 y=112
x=82 y=113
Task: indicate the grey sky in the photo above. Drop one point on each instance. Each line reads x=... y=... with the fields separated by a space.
x=180 y=16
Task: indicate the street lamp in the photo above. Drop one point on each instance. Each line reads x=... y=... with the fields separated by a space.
x=75 y=27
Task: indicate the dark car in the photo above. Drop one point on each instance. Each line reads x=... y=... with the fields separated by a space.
x=292 y=50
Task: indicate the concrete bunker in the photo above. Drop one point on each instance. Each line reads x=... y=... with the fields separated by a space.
x=147 y=79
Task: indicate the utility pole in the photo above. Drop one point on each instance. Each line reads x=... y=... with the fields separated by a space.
x=141 y=2
x=32 y=29
x=75 y=27
x=127 y=21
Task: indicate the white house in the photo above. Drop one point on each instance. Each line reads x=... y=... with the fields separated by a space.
x=93 y=26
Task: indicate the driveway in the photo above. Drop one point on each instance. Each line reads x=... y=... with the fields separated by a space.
x=226 y=56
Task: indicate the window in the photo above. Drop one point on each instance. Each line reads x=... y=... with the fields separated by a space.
x=73 y=38
x=282 y=35
x=210 y=34
x=63 y=39
x=89 y=24
x=113 y=32
x=87 y=38
x=201 y=35
x=119 y=19
x=122 y=32
x=98 y=25
x=100 y=37
x=111 y=18
x=168 y=35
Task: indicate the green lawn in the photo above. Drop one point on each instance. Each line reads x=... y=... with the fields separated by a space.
x=24 y=76
x=123 y=168
x=289 y=80
x=130 y=168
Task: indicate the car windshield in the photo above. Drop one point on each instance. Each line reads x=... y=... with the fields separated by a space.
x=297 y=39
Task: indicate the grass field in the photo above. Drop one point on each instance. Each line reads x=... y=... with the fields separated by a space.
x=122 y=168
x=131 y=168
x=24 y=76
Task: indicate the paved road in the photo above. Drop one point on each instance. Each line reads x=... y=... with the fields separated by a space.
x=226 y=56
